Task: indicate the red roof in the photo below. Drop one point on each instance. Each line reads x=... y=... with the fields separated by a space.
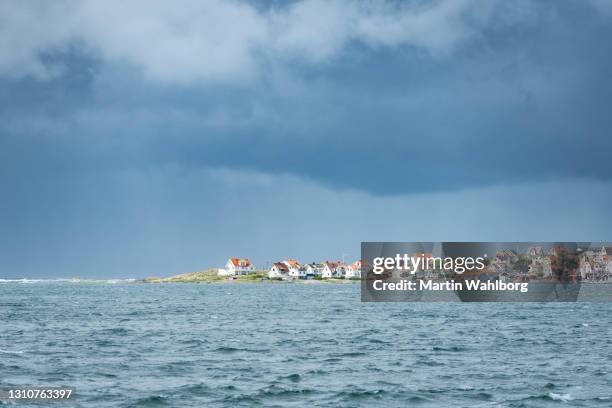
x=293 y=263
x=244 y=262
x=281 y=266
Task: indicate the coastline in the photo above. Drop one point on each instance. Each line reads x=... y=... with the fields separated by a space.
x=211 y=276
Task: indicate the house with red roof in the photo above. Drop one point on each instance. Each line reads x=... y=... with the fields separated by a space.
x=333 y=269
x=353 y=271
x=279 y=270
x=237 y=266
x=295 y=269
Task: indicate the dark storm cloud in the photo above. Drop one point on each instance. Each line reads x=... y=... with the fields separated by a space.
x=521 y=100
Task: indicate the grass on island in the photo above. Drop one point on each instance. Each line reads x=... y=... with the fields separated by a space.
x=207 y=276
x=211 y=276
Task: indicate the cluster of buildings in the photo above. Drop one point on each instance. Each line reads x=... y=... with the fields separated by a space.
x=537 y=263
x=596 y=265
x=292 y=269
x=592 y=264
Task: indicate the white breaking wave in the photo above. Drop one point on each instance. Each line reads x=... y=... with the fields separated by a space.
x=11 y=352
x=73 y=280
x=560 y=397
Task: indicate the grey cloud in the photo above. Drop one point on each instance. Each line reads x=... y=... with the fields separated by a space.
x=190 y=41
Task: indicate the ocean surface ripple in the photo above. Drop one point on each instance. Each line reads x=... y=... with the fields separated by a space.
x=190 y=345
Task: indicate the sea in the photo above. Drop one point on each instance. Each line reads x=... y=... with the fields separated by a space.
x=126 y=344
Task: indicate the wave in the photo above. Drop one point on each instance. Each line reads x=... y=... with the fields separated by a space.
x=560 y=397
x=151 y=401
x=280 y=391
x=16 y=352
x=229 y=350
x=295 y=377
x=361 y=393
x=451 y=348
x=64 y=280
x=23 y=280
x=551 y=396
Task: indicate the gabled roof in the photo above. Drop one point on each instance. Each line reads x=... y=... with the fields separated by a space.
x=292 y=263
x=281 y=266
x=241 y=262
x=315 y=265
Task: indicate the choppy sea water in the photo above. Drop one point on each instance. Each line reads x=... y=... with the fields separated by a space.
x=190 y=345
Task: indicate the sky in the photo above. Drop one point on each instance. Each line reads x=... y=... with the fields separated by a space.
x=150 y=138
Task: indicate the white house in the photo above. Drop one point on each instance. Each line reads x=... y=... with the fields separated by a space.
x=313 y=270
x=332 y=270
x=237 y=266
x=353 y=271
x=278 y=271
x=295 y=269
